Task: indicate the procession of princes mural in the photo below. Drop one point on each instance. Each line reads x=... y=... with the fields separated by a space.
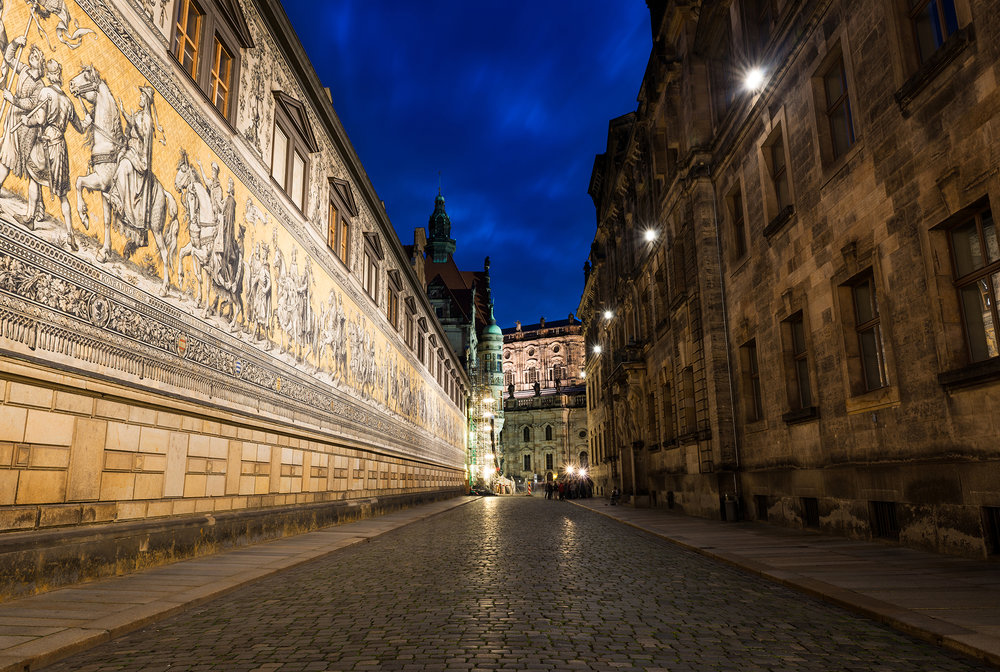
x=92 y=159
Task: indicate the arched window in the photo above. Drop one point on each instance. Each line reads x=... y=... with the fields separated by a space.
x=527 y=434
x=583 y=459
x=548 y=432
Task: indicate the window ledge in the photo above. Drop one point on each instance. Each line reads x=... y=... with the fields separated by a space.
x=779 y=221
x=929 y=71
x=801 y=415
x=975 y=374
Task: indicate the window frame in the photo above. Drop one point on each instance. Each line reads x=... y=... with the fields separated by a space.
x=831 y=109
x=798 y=375
x=290 y=118
x=753 y=410
x=221 y=23
x=872 y=325
x=917 y=8
x=988 y=272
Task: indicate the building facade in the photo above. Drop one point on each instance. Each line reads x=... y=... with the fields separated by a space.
x=205 y=313
x=794 y=278
x=463 y=304
x=546 y=423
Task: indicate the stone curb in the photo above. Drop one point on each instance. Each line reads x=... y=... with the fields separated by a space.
x=940 y=633
x=48 y=649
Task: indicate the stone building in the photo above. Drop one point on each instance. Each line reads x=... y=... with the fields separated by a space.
x=546 y=423
x=794 y=278
x=218 y=336
x=463 y=304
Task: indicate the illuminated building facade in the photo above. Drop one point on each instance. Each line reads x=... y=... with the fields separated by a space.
x=807 y=333
x=544 y=400
x=463 y=304
x=208 y=327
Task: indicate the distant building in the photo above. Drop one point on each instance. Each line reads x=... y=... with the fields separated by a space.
x=544 y=400
x=791 y=299
x=463 y=304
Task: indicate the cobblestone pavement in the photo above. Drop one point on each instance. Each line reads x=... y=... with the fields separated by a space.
x=516 y=584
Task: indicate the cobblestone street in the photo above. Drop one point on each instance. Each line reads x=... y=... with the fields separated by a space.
x=515 y=584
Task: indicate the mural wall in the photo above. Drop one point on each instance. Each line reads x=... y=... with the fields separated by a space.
x=142 y=242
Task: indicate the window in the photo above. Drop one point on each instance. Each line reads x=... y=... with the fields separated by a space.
x=548 y=433
x=754 y=407
x=421 y=348
x=527 y=434
x=220 y=79
x=779 y=173
x=654 y=427
x=838 y=109
x=342 y=209
x=667 y=397
x=758 y=15
x=371 y=276
x=187 y=36
x=933 y=22
x=208 y=36
x=976 y=260
x=738 y=224
x=408 y=330
x=800 y=394
x=548 y=460
x=292 y=143
x=508 y=378
x=372 y=256
x=392 y=307
x=531 y=375
x=867 y=324
x=527 y=463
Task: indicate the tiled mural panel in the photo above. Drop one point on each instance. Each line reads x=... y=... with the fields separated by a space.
x=143 y=244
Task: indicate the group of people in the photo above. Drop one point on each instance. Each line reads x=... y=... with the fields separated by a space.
x=569 y=488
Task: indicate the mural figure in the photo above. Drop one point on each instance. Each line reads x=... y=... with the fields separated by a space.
x=259 y=293
x=294 y=308
x=226 y=262
x=45 y=8
x=201 y=223
x=17 y=134
x=331 y=334
x=47 y=160
x=137 y=202
x=105 y=138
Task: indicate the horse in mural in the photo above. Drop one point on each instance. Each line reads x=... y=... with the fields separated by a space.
x=107 y=143
x=211 y=288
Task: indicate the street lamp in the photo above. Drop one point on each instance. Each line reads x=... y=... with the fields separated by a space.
x=754 y=79
x=650 y=235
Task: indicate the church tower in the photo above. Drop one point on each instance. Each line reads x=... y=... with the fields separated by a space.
x=440 y=244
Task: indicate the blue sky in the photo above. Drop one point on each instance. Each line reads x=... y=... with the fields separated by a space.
x=509 y=101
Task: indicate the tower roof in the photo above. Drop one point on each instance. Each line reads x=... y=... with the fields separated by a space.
x=440 y=244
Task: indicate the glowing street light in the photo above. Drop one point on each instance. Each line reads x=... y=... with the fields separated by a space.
x=597 y=349
x=754 y=79
x=608 y=314
x=650 y=235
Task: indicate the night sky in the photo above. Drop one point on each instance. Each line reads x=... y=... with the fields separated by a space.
x=510 y=100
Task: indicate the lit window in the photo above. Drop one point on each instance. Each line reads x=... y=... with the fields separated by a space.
x=298 y=182
x=976 y=255
x=222 y=70
x=187 y=39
